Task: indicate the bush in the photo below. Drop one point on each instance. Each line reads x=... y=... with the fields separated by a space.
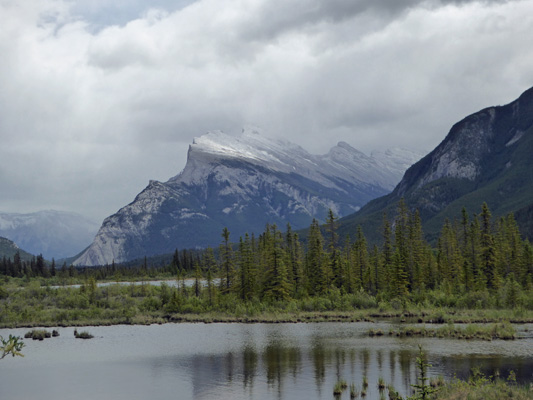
x=476 y=300
x=38 y=334
x=82 y=335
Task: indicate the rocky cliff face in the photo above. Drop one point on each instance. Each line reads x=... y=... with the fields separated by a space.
x=486 y=157
x=242 y=183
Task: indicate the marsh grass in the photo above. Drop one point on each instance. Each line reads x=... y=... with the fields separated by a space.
x=354 y=392
x=486 y=390
x=340 y=386
x=38 y=334
x=82 y=335
x=501 y=330
x=30 y=303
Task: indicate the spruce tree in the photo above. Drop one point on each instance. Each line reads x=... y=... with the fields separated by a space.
x=226 y=260
x=400 y=277
x=488 y=251
x=387 y=252
x=317 y=268
x=333 y=250
x=276 y=285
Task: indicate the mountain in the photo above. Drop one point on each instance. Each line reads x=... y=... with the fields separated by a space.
x=8 y=249
x=486 y=157
x=54 y=234
x=242 y=183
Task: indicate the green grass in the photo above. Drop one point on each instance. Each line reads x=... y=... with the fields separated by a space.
x=501 y=330
x=340 y=386
x=38 y=334
x=498 y=390
x=26 y=303
x=82 y=335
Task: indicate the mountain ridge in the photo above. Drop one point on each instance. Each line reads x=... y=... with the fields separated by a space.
x=241 y=183
x=486 y=157
x=52 y=233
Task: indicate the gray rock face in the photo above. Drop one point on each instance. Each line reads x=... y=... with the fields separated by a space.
x=486 y=157
x=461 y=158
x=54 y=234
x=242 y=183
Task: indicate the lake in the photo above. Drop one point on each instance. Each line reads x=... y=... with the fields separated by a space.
x=242 y=361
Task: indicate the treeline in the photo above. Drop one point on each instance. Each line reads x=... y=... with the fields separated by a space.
x=182 y=261
x=18 y=268
x=474 y=254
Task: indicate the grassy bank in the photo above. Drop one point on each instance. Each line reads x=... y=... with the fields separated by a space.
x=498 y=390
x=29 y=304
x=501 y=330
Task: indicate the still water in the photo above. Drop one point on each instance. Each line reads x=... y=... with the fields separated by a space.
x=241 y=361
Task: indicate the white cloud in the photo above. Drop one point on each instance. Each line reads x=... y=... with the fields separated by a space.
x=89 y=112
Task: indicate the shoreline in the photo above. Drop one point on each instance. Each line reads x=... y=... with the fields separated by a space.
x=402 y=319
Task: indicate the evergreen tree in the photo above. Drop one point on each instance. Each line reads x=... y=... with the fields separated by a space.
x=361 y=266
x=197 y=280
x=400 y=277
x=53 y=268
x=387 y=252
x=276 y=286
x=294 y=256
x=317 y=267
x=488 y=251
x=247 y=273
x=333 y=250
x=226 y=258
x=417 y=254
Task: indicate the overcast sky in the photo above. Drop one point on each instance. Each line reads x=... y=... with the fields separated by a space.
x=97 y=97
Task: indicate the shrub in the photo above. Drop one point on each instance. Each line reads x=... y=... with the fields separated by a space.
x=37 y=334
x=82 y=335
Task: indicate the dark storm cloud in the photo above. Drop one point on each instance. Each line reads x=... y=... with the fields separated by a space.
x=276 y=18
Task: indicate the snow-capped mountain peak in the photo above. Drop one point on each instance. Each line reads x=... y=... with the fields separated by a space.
x=242 y=183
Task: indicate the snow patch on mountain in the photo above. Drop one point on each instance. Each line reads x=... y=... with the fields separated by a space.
x=243 y=183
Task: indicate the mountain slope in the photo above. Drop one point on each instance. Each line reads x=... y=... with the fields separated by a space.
x=486 y=157
x=8 y=249
x=54 y=234
x=241 y=183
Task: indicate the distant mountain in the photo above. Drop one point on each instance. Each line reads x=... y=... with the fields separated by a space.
x=242 y=183
x=54 y=234
x=486 y=157
x=8 y=249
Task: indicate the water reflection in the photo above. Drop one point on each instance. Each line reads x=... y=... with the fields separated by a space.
x=310 y=373
x=285 y=369
x=237 y=361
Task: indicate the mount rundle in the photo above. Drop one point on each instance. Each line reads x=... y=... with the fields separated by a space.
x=243 y=183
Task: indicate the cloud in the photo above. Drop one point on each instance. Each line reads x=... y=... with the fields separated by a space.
x=99 y=97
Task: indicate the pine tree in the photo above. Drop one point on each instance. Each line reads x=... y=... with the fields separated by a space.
x=317 y=267
x=294 y=263
x=387 y=252
x=417 y=252
x=53 y=268
x=247 y=274
x=400 y=277
x=377 y=270
x=197 y=280
x=363 y=276
x=226 y=259
x=276 y=286
x=333 y=250
x=488 y=256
